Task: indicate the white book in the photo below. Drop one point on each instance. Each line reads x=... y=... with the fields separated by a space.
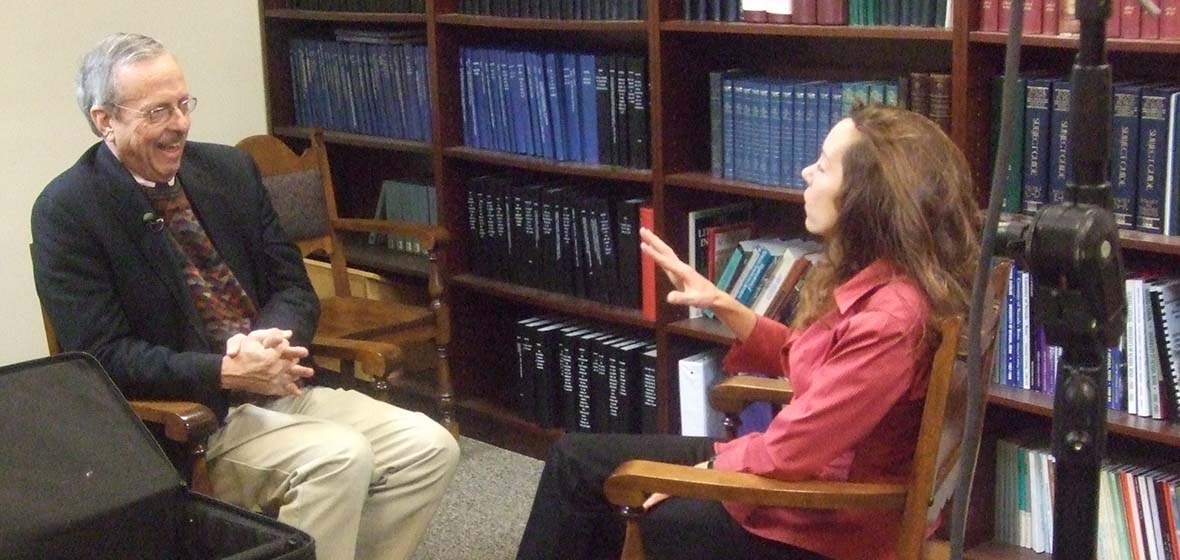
x=1036 y=499
x=1026 y=330
x=1132 y=351
x=698 y=374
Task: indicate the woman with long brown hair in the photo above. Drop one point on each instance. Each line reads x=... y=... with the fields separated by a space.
x=890 y=195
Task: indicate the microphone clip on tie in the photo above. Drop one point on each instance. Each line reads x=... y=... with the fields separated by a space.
x=154 y=223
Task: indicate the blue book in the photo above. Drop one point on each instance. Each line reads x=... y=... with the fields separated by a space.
x=741 y=126
x=397 y=90
x=553 y=87
x=823 y=116
x=530 y=80
x=800 y=145
x=729 y=127
x=774 y=171
x=478 y=100
x=541 y=97
x=1171 y=210
x=493 y=71
x=423 y=90
x=1060 y=162
x=1153 y=144
x=410 y=78
x=811 y=138
x=1124 y=157
x=467 y=98
x=787 y=148
x=520 y=94
x=761 y=120
x=570 y=102
x=588 y=108
x=1038 y=95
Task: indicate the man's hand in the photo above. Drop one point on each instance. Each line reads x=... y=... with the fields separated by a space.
x=270 y=338
x=691 y=287
x=264 y=362
x=656 y=498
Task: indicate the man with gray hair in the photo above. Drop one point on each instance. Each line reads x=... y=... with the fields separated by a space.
x=164 y=259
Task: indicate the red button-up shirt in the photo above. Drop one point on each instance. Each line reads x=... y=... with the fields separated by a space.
x=859 y=375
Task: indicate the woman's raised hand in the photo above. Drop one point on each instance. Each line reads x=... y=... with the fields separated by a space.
x=691 y=287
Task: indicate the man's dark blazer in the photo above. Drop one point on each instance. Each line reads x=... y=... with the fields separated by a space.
x=114 y=287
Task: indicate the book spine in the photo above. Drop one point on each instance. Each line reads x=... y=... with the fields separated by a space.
x=1036 y=144
x=1124 y=161
x=1153 y=131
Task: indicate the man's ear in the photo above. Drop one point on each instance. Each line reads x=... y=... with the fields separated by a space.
x=101 y=118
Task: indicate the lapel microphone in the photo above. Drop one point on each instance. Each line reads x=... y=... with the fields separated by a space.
x=153 y=222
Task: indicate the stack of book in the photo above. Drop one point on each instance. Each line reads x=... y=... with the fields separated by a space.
x=1143 y=372
x=382 y=6
x=585 y=378
x=364 y=82
x=1138 y=505
x=766 y=130
x=558 y=235
x=917 y=13
x=565 y=106
x=557 y=9
x=404 y=201
x=1128 y=19
x=1144 y=165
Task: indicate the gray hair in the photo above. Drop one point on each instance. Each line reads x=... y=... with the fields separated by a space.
x=95 y=84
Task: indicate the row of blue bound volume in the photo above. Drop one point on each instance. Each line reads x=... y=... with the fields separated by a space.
x=589 y=108
x=364 y=82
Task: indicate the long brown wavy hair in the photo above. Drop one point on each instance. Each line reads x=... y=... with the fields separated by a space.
x=906 y=198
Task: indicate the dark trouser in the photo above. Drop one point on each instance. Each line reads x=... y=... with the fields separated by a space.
x=571 y=519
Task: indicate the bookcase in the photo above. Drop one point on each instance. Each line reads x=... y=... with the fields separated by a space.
x=680 y=54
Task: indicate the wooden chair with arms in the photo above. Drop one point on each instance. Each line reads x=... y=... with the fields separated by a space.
x=304 y=198
x=936 y=459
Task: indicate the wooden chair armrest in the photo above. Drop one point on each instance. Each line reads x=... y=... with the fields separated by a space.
x=183 y=422
x=377 y=358
x=733 y=393
x=634 y=481
x=431 y=237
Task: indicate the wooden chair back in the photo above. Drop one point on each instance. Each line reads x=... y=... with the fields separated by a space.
x=947 y=460
x=303 y=196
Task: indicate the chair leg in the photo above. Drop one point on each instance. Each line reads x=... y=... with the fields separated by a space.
x=445 y=392
x=200 y=474
x=632 y=541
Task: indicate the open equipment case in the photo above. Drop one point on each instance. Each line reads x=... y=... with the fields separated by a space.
x=81 y=477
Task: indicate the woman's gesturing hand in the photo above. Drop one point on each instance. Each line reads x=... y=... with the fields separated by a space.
x=691 y=287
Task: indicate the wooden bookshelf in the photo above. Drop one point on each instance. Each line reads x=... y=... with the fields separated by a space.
x=680 y=54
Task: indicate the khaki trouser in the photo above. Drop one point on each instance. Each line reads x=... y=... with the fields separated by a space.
x=361 y=476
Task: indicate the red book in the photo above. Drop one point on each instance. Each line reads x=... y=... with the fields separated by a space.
x=1129 y=19
x=1170 y=19
x=1033 y=9
x=989 y=15
x=647 y=267
x=1149 y=24
x=1112 y=22
x=803 y=12
x=753 y=11
x=1005 y=15
x=1049 y=18
x=831 y=12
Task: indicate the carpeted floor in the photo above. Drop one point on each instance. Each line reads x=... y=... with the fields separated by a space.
x=483 y=513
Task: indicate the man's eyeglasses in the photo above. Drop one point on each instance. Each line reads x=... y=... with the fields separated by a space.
x=159 y=115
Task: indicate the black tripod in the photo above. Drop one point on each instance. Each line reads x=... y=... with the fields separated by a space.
x=1072 y=251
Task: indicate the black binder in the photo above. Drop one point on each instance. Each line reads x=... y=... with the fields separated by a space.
x=81 y=477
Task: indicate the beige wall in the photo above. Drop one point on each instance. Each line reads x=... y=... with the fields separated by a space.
x=216 y=41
